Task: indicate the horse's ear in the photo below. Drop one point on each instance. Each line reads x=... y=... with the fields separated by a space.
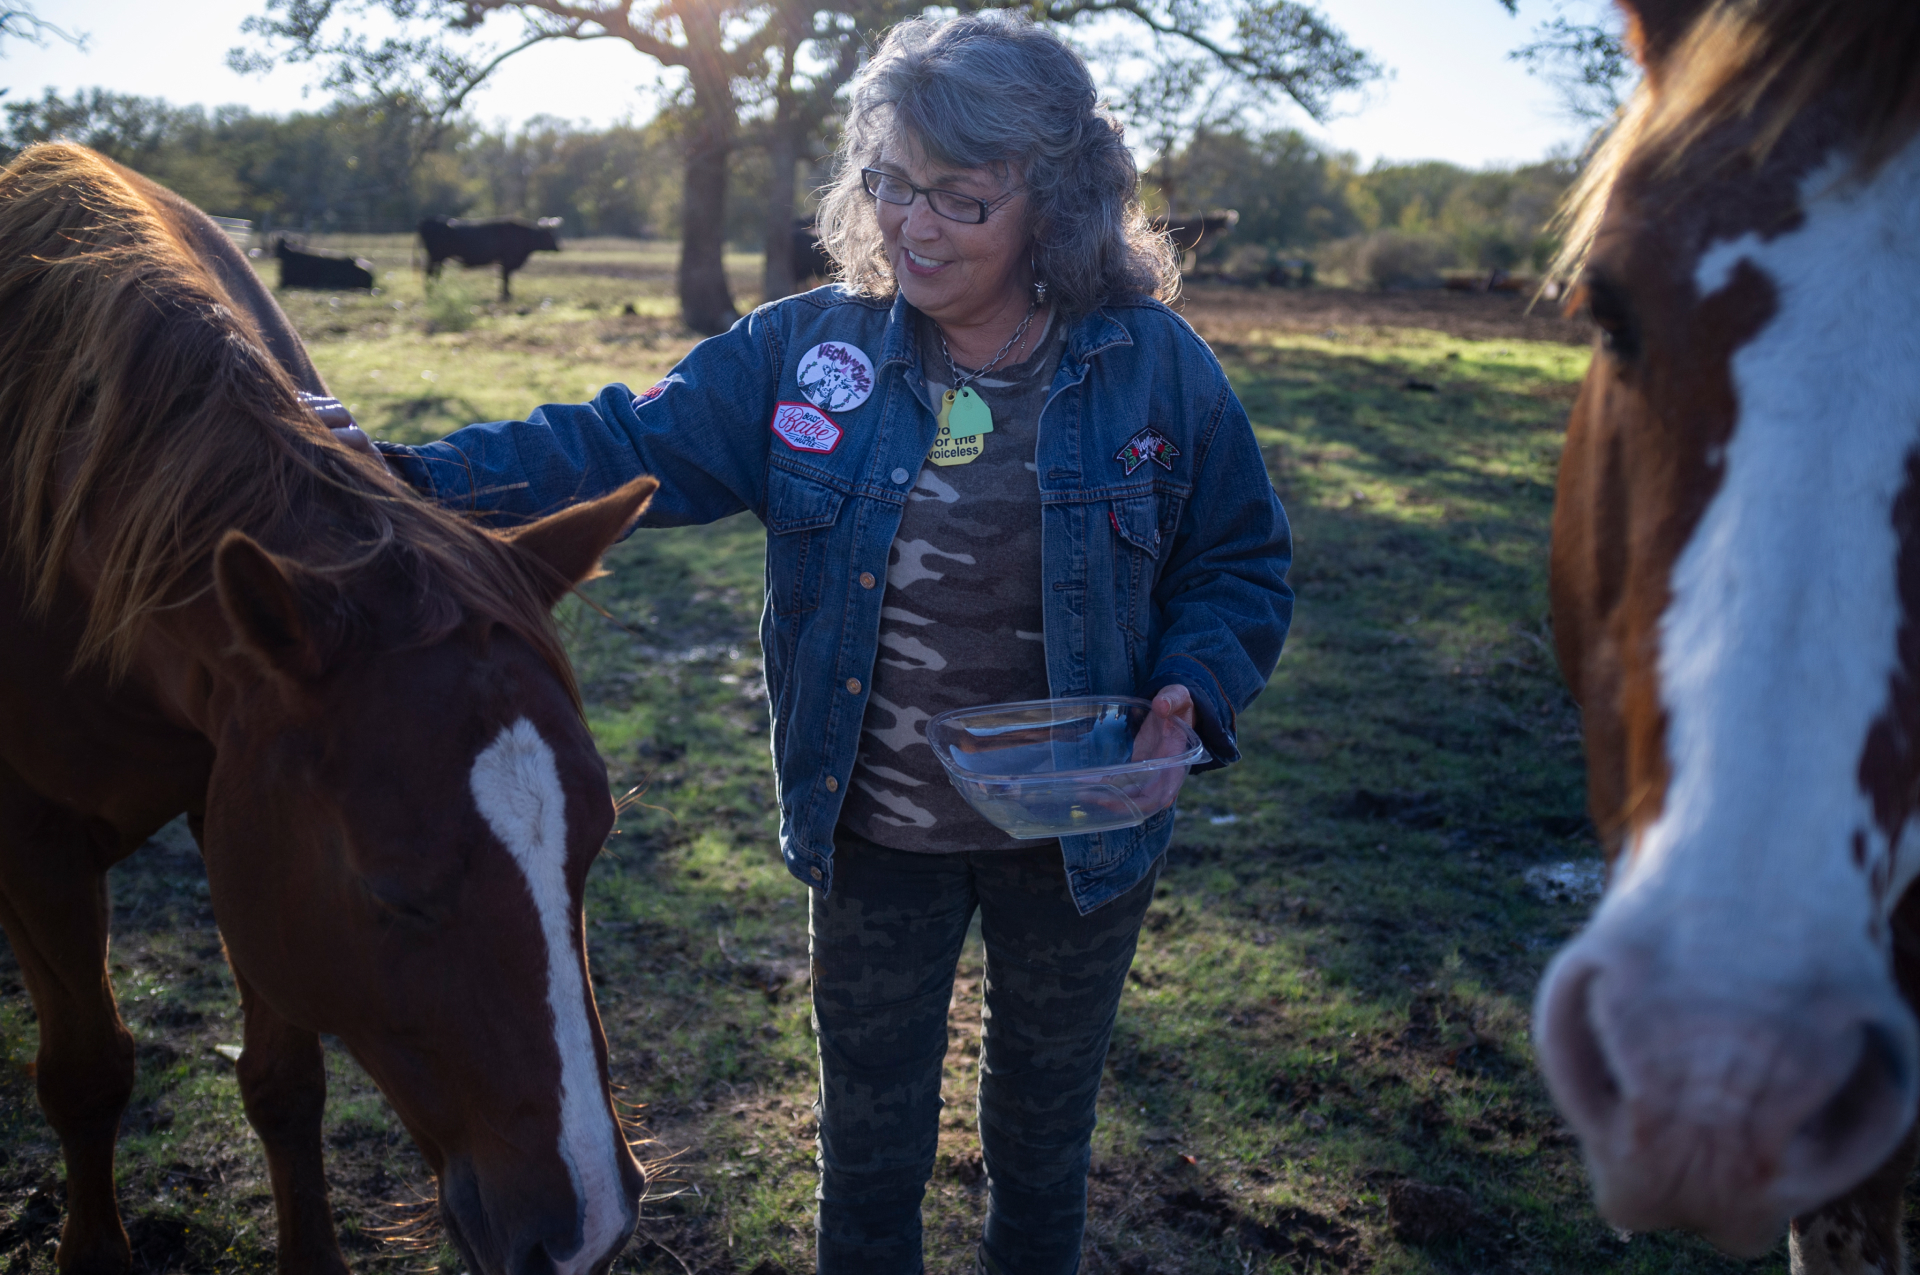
x=260 y=596
x=569 y=544
x=1654 y=27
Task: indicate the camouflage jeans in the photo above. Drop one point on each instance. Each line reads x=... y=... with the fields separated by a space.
x=884 y=945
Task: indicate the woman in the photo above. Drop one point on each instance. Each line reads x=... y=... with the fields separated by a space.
x=992 y=467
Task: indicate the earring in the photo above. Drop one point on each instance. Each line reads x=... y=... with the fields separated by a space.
x=1039 y=284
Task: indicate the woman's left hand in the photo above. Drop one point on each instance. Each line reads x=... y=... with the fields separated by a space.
x=1158 y=737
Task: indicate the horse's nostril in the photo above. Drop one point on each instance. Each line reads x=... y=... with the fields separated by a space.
x=1873 y=1094
x=1572 y=1056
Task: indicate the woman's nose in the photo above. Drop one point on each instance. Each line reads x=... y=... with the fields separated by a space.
x=922 y=222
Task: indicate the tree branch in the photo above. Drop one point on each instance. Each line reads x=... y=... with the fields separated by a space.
x=615 y=20
x=18 y=21
x=1281 y=43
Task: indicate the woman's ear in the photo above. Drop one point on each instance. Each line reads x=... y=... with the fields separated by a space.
x=567 y=545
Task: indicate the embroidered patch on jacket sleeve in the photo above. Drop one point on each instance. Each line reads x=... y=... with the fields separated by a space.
x=656 y=390
x=1148 y=445
x=805 y=428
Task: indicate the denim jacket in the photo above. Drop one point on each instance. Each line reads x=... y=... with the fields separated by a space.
x=1164 y=550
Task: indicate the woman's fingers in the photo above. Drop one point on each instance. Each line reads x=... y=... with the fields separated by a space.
x=352 y=436
x=1156 y=737
x=331 y=411
x=1175 y=701
x=335 y=416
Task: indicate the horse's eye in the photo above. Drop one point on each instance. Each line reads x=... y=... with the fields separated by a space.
x=397 y=904
x=1607 y=303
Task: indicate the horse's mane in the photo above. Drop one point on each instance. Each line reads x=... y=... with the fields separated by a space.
x=141 y=419
x=1763 y=61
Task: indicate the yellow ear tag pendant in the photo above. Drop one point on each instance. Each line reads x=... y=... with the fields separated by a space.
x=949 y=449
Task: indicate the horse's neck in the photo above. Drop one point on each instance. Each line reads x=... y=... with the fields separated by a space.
x=236 y=274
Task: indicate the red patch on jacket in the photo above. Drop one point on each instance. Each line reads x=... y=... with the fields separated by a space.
x=805 y=428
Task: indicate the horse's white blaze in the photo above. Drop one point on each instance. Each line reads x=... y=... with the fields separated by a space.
x=1778 y=645
x=517 y=788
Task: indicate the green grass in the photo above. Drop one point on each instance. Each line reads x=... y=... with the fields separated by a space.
x=1333 y=984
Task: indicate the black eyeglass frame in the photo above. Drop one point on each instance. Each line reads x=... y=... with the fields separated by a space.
x=869 y=176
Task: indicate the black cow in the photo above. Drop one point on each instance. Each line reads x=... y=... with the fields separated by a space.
x=481 y=241
x=1189 y=233
x=810 y=257
x=333 y=271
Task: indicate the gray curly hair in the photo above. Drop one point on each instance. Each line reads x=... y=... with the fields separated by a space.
x=990 y=89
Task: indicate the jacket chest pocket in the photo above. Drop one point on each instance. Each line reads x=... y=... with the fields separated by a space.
x=800 y=516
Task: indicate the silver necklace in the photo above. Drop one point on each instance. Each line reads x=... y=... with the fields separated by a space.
x=953 y=369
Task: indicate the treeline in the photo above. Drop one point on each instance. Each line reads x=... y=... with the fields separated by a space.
x=362 y=168
x=358 y=168
x=1388 y=225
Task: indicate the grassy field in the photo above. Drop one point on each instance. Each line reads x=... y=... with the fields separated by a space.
x=1331 y=996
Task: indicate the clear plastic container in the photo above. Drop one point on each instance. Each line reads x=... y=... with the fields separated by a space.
x=1062 y=767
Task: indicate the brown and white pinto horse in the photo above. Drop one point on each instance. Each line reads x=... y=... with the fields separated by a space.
x=1736 y=599
x=208 y=605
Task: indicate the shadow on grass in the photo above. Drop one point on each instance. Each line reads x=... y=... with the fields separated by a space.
x=421 y=418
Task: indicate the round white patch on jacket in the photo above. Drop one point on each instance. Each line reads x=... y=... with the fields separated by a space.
x=836 y=377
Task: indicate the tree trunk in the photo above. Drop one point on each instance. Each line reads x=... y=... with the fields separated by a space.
x=706 y=303
x=783 y=152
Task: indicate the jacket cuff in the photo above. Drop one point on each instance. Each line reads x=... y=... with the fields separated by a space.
x=1213 y=715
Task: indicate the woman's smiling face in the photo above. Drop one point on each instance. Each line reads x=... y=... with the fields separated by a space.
x=955 y=273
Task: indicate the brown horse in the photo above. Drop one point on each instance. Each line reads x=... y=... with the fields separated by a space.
x=1736 y=599
x=207 y=605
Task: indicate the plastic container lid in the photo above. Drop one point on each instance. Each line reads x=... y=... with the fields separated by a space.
x=1063 y=767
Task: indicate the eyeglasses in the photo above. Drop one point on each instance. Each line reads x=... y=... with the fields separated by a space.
x=951 y=204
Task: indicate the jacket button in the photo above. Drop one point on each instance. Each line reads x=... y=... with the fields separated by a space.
x=866 y=580
x=853 y=686
x=816 y=874
x=901 y=475
x=833 y=785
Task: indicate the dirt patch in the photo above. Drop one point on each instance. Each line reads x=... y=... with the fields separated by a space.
x=1225 y=313
x=1156 y=1215
x=1293 y=1233
x=1421 y=1213
x=37 y=1215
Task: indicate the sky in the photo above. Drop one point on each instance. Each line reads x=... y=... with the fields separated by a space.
x=1452 y=92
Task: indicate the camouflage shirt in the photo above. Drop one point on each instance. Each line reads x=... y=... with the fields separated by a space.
x=960 y=625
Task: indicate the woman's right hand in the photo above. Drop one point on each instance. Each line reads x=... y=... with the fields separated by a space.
x=353 y=436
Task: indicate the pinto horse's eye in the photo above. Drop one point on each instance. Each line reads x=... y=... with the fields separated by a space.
x=1607 y=303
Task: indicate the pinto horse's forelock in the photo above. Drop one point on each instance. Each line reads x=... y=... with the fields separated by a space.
x=516 y=785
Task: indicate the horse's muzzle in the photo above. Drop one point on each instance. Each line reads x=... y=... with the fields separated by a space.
x=1719 y=1103
x=527 y=1228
